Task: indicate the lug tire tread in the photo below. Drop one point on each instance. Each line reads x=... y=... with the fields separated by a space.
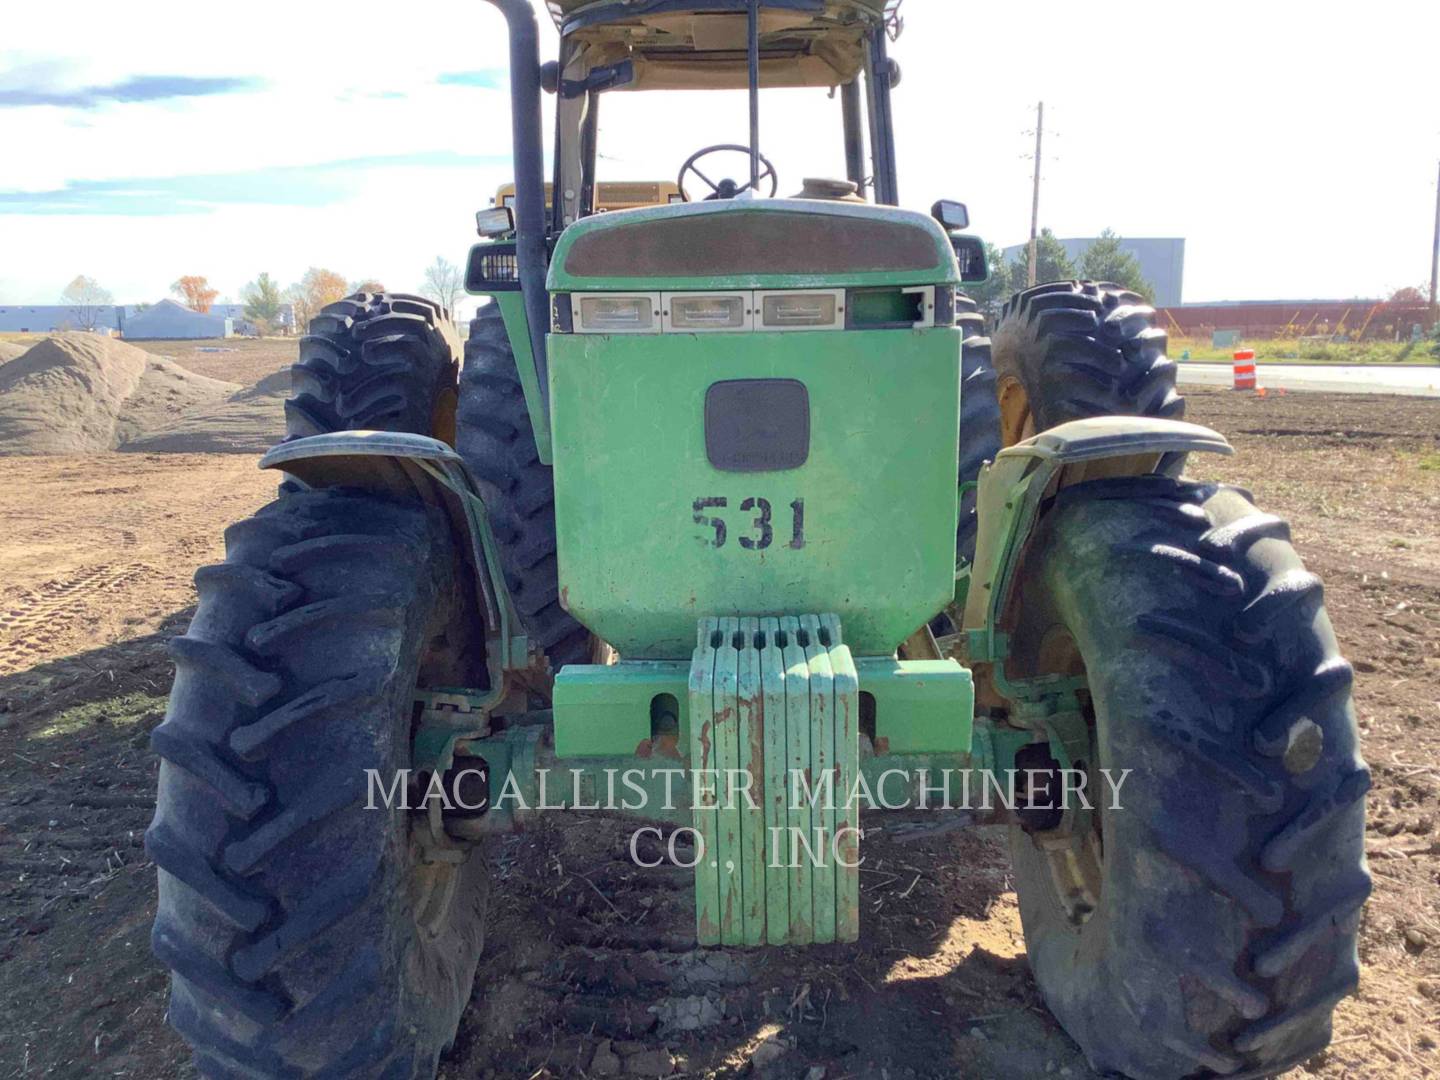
x=494 y=436
x=1252 y=939
x=372 y=361
x=279 y=890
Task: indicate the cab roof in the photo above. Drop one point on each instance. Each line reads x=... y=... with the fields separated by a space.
x=700 y=44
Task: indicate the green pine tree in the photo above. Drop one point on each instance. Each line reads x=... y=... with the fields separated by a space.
x=1051 y=262
x=262 y=300
x=1106 y=260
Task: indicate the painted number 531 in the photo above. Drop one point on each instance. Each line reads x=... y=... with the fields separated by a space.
x=760 y=528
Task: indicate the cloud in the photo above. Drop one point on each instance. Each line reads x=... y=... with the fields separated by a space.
x=320 y=184
x=138 y=88
x=485 y=78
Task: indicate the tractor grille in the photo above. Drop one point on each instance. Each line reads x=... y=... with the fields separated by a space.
x=492 y=268
x=761 y=243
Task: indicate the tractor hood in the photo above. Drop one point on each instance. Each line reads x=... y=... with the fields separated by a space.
x=752 y=244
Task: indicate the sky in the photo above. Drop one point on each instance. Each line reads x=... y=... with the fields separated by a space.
x=1293 y=145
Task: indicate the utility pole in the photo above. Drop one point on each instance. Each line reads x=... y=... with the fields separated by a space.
x=1435 y=255
x=1035 y=202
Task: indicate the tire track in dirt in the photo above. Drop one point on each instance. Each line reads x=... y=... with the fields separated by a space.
x=32 y=621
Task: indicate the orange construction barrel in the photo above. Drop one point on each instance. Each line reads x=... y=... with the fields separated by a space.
x=1244 y=369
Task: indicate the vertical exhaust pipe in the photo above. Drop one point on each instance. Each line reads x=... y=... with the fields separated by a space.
x=529 y=153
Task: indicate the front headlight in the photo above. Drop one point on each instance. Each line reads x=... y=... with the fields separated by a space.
x=702 y=312
x=802 y=310
x=636 y=313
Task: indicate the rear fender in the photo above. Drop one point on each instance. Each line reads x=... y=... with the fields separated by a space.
x=1015 y=485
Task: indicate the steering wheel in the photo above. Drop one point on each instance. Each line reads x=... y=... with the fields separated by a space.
x=725 y=189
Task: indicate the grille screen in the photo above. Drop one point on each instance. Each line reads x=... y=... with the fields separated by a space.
x=492 y=266
x=756 y=243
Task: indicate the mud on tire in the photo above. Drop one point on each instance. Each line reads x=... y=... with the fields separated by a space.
x=1085 y=348
x=1232 y=877
x=378 y=362
x=285 y=904
x=495 y=437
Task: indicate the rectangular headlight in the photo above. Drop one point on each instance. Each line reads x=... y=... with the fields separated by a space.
x=706 y=312
x=496 y=222
x=632 y=313
x=802 y=310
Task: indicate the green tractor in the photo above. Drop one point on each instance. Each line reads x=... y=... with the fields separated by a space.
x=730 y=520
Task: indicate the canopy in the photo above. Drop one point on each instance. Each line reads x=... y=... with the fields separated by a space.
x=676 y=45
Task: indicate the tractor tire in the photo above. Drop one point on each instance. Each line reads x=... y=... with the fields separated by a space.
x=979 y=418
x=1207 y=926
x=376 y=362
x=306 y=933
x=495 y=438
x=1083 y=348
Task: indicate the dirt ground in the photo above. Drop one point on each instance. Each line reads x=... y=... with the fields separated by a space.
x=590 y=968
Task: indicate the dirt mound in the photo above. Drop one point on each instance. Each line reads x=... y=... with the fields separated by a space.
x=79 y=394
x=12 y=350
x=248 y=422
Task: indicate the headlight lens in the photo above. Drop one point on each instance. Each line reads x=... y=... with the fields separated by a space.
x=799 y=311
x=708 y=312
x=617 y=314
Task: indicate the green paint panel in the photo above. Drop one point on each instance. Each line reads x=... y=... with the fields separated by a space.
x=921 y=706
x=865 y=528
x=604 y=710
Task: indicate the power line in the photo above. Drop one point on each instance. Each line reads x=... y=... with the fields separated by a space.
x=1435 y=253
x=1035 y=202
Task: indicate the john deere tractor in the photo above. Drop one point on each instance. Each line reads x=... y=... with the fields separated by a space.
x=728 y=516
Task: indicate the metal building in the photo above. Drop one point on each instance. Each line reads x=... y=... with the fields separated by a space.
x=1161 y=259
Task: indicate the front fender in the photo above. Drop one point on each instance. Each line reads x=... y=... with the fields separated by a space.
x=1013 y=487
x=403 y=466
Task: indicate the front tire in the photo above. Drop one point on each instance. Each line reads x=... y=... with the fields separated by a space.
x=1208 y=925
x=289 y=910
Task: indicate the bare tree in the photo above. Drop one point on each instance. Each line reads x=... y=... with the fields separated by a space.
x=86 y=298
x=443 y=284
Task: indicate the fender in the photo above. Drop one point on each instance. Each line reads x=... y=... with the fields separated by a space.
x=404 y=466
x=1013 y=487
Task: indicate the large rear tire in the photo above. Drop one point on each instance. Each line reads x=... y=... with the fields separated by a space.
x=307 y=933
x=495 y=437
x=377 y=362
x=1207 y=926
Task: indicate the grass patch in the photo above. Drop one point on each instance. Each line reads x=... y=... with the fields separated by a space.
x=127 y=710
x=1310 y=351
x=1430 y=462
